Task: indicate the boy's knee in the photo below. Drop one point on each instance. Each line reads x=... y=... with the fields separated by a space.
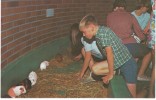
x=95 y=70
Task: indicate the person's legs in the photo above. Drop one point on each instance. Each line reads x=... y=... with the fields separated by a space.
x=132 y=89
x=91 y=63
x=100 y=68
x=152 y=82
x=97 y=60
x=129 y=71
x=140 y=51
x=145 y=62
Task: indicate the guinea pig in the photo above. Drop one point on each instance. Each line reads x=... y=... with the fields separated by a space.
x=44 y=65
x=59 y=57
x=16 y=91
x=26 y=83
x=33 y=78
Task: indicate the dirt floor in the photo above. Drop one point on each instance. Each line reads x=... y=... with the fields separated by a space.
x=59 y=80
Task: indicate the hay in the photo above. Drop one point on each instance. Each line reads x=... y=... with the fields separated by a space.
x=63 y=63
x=52 y=84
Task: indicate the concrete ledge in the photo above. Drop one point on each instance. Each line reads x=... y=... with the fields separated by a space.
x=118 y=88
x=19 y=69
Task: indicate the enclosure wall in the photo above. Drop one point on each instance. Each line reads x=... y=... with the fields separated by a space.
x=25 y=25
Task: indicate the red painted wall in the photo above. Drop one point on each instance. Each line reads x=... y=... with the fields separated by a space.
x=25 y=26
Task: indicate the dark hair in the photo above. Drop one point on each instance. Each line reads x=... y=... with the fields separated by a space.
x=75 y=37
x=75 y=33
x=119 y=3
x=143 y=3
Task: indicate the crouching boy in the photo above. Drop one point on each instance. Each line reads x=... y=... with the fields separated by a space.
x=117 y=54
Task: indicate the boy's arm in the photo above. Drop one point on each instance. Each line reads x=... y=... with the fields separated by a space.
x=110 y=60
x=86 y=63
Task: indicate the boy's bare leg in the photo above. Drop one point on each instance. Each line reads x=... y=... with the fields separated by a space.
x=100 y=68
x=145 y=62
x=132 y=89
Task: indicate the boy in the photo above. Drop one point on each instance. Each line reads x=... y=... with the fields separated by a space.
x=117 y=54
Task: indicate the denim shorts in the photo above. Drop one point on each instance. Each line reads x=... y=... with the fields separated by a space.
x=138 y=50
x=129 y=71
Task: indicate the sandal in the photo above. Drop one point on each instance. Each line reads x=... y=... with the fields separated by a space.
x=88 y=79
x=143 y=78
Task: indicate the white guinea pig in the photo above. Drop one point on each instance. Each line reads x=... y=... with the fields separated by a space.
x=44 y=64
x=32 y=77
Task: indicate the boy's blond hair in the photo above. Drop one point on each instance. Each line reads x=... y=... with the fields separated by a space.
x=87 y=20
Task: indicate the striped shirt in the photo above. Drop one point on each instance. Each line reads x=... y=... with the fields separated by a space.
x=105 y=37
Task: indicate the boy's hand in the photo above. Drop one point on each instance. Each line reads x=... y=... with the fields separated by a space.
x=107 y=78
x=80 y=76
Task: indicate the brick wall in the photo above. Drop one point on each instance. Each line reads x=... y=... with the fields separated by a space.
x=25 y=26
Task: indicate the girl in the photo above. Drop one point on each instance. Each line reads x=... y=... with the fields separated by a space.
x=76 y=45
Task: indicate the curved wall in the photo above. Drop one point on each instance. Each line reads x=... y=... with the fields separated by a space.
x=25 y=26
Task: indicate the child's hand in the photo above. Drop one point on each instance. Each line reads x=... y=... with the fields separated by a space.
x=107 y=78
x=80 y=76
x=77 y=58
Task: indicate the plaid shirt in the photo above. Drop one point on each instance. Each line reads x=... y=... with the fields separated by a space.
x=105 y=37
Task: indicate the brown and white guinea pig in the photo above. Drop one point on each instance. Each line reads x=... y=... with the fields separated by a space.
x=16 y=91
x=26 y=83
x=59 y=57
x=19 y=89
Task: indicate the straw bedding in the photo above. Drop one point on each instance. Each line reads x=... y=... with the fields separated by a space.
x=59 y=80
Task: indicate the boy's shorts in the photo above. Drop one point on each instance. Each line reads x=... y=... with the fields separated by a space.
x=129 y=71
